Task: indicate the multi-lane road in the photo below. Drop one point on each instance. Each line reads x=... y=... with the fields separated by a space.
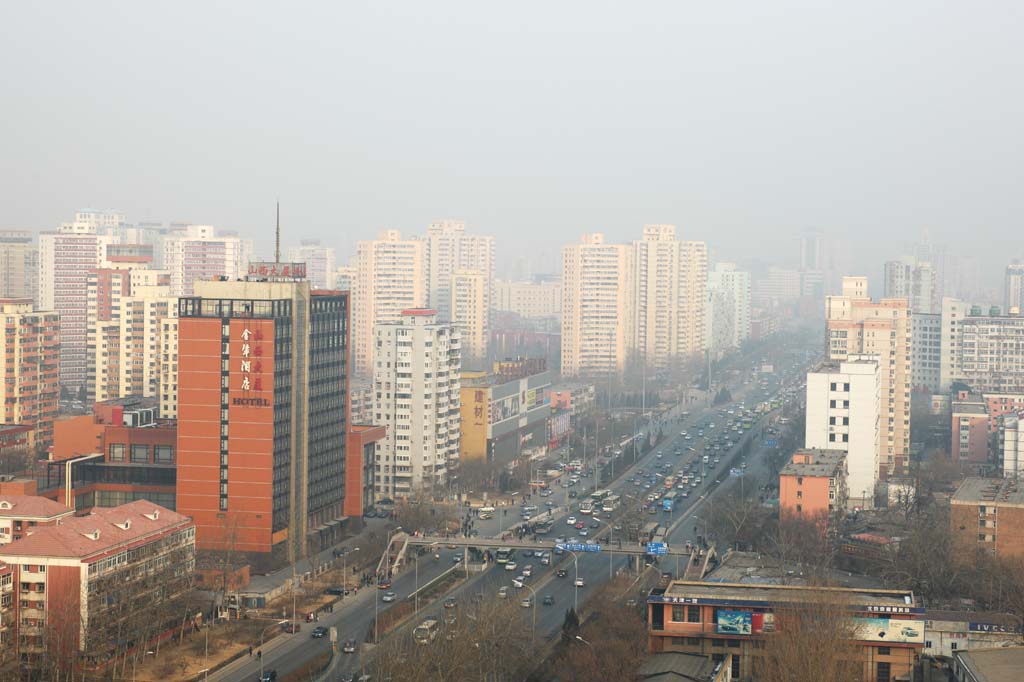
x=356 y=613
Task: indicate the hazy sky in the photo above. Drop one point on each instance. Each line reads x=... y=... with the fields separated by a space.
x=741 y=122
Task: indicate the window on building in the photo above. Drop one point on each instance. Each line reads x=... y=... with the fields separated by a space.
x=832 y=437
x=799 y=508
x=116 y=452
x=799 y=494
x=832 y=386
x=140 y=454
x=678 y=614
x=831 y=403
x=883 y=651
x=883 y=672
x=693 y=614
x=163 y=454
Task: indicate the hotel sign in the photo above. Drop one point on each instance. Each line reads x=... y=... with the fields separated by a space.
x=251 y=367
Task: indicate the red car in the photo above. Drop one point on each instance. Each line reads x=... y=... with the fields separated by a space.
x=580 y=524
x=291 y=628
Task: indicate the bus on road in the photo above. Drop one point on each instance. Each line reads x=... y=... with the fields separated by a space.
x=426 y=632
x=668 y=502
x=594 y=502
x=610 y=504
x=505 y=555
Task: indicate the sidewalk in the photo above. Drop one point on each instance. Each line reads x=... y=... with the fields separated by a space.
x=274 y=584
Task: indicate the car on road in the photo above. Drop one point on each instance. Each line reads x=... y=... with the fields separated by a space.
x=510 y=566
x=526 y=602
x=335 y=591
x=548 y=600
x=388 y=597
x=349 y=647
x=503 y=592
x=450 y=603
x=545 y=559
x=457 y=558
x=318 y=632
x=578 y=582
x=518 y=582
x=291 y=628
x=583 y=532
x=580 y=524
x=617 y=527
x=595 y=524
x=528 y=570
x=571 y=520
x=384 y=584
x=561 y=573
x=268 y=676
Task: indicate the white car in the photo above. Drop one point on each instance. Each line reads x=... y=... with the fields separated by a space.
x=388 y=597
x=503 y=592
x=518 y=582
x=510 y=566
x=527 y=570
x=578 y=582
x=571 y=520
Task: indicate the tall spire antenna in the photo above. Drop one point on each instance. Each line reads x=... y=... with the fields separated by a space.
x=277 y=236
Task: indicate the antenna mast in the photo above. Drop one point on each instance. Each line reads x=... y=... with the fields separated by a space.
x=277 y=236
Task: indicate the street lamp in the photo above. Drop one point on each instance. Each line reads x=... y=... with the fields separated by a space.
x=578 y=638
x=533 y=632
x=263 y=632
x=344 y=571
x=576 y=578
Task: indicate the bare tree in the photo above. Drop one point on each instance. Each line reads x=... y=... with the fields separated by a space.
x=813 y=640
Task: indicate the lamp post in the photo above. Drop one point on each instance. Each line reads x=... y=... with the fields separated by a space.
x=344 y=571
x=576 y=577
x=533 y=632
x=263 y=632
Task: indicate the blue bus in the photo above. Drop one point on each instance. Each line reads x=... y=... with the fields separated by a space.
x=668 y=501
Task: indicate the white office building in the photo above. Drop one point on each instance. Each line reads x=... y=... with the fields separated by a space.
x=319 y=260
x=844 y=408
x=416 y=383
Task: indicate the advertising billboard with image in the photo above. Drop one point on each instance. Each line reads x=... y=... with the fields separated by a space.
x=889 y=630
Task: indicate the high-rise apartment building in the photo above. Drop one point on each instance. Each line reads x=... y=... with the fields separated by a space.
x=1013 y=288
x=65 y=259
x=779 y=286
x=127 y=308
x=813 y=251
x=194 y=253
x=19 y=265
x=449 y=249
x=30 y=390
x=389 y=279
x=725 y=277
x=470 y=314
x=598 y=308
x=319 y=260
x=416 y=380
x=926 y=351
x=981 y=350
x=856 y=325
x=844 y=412
x=345 y=277
x=671 y=281
x=530 y=300
x=915 y=281
x=262 y=405
x=169 y=368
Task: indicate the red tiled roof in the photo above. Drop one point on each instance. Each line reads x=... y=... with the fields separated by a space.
x=76 y=537
x=31 y=507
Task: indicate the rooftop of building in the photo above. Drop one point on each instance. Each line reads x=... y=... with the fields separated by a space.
x=1003 y=664
x=10 y=429
x=761 y=593
x=964 y=407
x=823 y=463
x=1010 y=621
x=31 y=507
x=854 y=362
x=753 y=568
x=671 y=667
x=998 y=491
x=105 y=529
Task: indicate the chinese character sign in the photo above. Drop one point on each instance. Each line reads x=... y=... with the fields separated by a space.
x=251 y=362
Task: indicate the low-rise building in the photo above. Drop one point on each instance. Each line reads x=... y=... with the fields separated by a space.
x=79 y=586
x=17 y=455
x=732 y=622
x=500 y=417
x=989 y=665
x=577 y=398
x=952 y=631
x=813 y=485
x=20 y=515
x=969 y=441
x=986 y=515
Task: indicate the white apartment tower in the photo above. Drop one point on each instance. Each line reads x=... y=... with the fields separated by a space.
x=416 y=381
x=389 y=278
x=448 y=249
x=469 y=312
x=844 y=403
x=856 y=325
x=1013 y=288
x=915 y=281
x=65 y=259
x=726 y=278
x=530 y=300
x=669 y=296
x=598 y=289
x=319 y=260
x=196 y=252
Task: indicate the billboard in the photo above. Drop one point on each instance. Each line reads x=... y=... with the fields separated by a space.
x=889 y=630
x=743 y=622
